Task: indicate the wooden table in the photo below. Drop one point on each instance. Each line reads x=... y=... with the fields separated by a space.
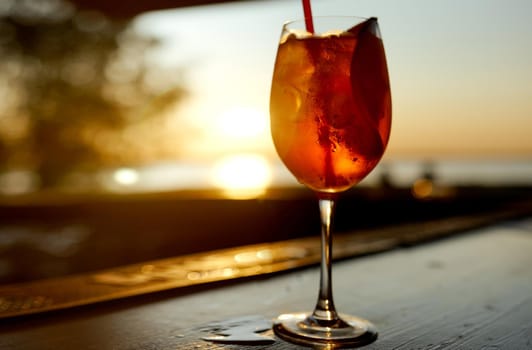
x=468 y=291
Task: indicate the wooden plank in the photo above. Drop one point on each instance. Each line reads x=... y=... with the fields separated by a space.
x=221 y=265
x=471 y=291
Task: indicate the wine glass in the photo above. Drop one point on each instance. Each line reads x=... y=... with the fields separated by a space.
x=330 y=109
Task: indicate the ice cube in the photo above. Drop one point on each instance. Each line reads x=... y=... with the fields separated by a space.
x=334 y=32
x=294 y=34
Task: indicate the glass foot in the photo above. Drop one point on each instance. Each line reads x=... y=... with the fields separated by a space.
x=302 y=329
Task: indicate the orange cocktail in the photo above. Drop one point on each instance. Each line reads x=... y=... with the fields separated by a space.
x=330 y=105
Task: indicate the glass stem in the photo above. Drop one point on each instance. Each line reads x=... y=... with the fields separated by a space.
x=325 y=313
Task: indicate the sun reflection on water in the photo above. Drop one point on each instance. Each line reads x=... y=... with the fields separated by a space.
x=242 y=176
x=126 y=176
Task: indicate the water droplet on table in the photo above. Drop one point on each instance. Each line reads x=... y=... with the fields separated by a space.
x=243 y=330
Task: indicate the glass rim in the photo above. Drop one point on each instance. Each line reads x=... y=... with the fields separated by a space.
x=302 y=19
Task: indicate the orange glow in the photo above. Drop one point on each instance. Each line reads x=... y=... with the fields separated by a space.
x=126 y=176
x=242 y=176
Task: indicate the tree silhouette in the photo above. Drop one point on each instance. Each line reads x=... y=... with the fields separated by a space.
x=78 y=91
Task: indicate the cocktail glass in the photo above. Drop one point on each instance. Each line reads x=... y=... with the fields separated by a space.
x=330 y=109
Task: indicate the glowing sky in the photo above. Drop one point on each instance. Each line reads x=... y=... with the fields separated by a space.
x=461 y=71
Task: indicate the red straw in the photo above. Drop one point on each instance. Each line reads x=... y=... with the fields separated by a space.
x=308 y=16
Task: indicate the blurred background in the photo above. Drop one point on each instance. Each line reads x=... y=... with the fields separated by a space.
x=125 y=128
